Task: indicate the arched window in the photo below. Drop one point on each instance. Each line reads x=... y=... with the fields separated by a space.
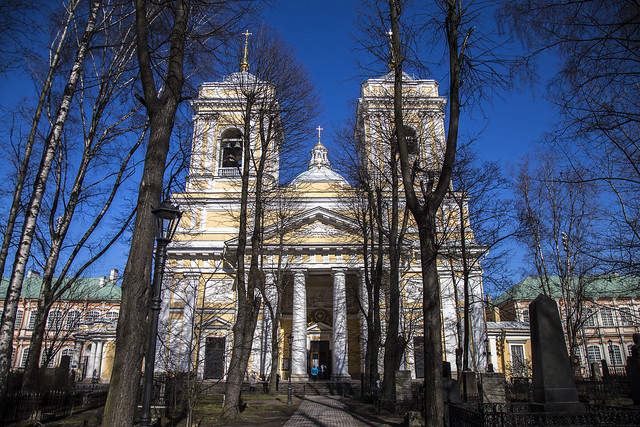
x=593 y=353
x=525 y=315
x=615 y=355
x=73 y=319
x=112 y=315
x=92 y=316
x=411 y=137
x=231 y=143
x=54 y=322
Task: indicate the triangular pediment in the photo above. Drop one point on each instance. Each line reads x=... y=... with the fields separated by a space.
x=315 y=226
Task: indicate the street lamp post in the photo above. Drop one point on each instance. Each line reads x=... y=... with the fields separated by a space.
x=167 y=217
x=289 y=389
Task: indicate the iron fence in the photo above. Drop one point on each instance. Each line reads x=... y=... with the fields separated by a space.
x=520 y=415
x=43 y=407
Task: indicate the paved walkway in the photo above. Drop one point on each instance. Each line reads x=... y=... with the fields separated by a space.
x=325 y=411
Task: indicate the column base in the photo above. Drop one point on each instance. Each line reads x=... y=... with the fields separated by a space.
x=340 y=377
x=296 y=378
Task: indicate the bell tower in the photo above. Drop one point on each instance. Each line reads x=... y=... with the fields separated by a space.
x=423 y=120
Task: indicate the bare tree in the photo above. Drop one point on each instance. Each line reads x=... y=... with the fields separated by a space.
x=161 y=53
x=557 y=227
x=51 y=146
x=595 y=92
x=89 y=189
x=277 y=100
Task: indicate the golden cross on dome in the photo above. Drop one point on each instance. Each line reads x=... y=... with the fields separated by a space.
x=319 y=129
x=244 y=65
x=390 y=34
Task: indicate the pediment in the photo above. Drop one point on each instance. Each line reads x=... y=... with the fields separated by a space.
x=315 y=226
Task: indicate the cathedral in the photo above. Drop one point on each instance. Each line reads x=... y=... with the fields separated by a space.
x=312 y=257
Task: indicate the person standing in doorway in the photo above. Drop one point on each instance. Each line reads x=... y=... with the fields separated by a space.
x=314 y=372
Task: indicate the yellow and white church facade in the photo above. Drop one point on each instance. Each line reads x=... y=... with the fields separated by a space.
x=312 y=261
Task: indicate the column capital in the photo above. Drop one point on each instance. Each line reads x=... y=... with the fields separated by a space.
x=300 y=271
x=338 y=271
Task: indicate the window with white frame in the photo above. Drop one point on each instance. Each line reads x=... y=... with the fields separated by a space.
x=518 y=361
x=25 y=354
x=615 y=355
x=19 y=315
x=55 y=320
x=525 y=315
x=43 y=359
x=68 y=352
x=92 y=316
x=626 y=318
x=589 y=318
x=73 y=320
x=606 y=315
x=112 y=315
x=32 y=320
x=594 y=354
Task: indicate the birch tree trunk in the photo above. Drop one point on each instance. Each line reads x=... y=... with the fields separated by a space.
x=28 y=229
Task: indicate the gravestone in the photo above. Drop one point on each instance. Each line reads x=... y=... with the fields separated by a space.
x=596 y=374
x=403 y=387
x=554 y=389
x=470 y=381
x=633 y=369
x=493 y=387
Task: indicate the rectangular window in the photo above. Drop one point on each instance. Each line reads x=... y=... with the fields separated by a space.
x=518 y=362
x=525 y=315
x=25 y=354
x=589 y=318
x=625 y=316
x=32 y=320
x=606 y=315
x=19 y=319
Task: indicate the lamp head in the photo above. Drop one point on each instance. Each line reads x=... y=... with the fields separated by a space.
x=167 y=218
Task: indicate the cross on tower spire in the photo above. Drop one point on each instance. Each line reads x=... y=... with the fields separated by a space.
x=244 y=65
x=319 y=129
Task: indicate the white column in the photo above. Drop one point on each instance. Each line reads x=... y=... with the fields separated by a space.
x=92 y=360
x=340 y=370
x=99 y=358
x=191 y=281
x=267 y=340
x=299 y=326
x=77 y=352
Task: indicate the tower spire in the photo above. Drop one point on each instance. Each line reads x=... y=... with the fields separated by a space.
x=244 y=65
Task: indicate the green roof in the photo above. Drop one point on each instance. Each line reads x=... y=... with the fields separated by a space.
x=84 y=288
x=604 y=286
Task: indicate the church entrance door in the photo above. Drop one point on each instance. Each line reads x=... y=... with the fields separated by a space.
x=214 y=358
x=319 y=355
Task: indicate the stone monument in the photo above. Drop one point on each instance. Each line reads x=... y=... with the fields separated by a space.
x=554 y=389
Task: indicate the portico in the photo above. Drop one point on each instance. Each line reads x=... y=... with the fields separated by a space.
x=318 y=314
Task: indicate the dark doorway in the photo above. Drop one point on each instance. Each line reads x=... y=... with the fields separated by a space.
x=418 y=356
x=214 y=358
x=319 y=355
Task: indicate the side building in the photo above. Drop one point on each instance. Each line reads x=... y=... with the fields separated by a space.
x=81 y=326
x=606 y=317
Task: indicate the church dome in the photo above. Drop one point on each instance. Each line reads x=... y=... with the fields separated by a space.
x=319 y=169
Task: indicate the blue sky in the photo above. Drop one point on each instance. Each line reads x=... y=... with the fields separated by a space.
x=323 y=33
